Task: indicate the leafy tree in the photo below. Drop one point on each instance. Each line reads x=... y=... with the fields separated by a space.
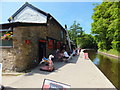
x=87 y=41
x=78 y=36
x=106 y=25
x=75 y=32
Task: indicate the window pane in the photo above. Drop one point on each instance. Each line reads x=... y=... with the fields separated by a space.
x=6 y=43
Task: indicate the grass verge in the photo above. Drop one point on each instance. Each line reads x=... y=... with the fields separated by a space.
x=111 y=51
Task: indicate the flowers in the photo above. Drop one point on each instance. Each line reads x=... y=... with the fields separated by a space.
x=7 y=36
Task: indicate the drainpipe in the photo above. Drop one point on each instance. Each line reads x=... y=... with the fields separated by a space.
x=68 y=39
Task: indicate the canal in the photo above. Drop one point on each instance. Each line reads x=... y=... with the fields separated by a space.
x=109 y=66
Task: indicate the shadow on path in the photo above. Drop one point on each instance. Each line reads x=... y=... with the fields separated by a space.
x=11 y=88
x=57 y=65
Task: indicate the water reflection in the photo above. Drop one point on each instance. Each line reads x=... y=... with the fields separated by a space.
x=96 y=61
x=108 y=65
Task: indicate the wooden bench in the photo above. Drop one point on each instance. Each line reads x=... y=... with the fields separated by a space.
x=59 y=57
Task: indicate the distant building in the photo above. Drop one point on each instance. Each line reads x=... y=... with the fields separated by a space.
x=30 y=34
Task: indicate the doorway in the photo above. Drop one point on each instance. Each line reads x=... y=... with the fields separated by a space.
x=42 y=50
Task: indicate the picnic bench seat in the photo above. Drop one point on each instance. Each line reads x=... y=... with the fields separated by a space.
x=59 y=57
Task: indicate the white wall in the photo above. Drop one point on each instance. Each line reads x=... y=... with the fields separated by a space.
x=30 y=15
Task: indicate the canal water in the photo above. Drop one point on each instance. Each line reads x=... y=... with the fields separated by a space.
x=109 y=66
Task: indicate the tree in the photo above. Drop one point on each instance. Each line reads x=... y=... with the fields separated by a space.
x=79 y=37
x=75 y=32
x=106 y=25
x=87 y=41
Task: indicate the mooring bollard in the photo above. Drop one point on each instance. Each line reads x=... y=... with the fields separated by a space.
x=86 y=56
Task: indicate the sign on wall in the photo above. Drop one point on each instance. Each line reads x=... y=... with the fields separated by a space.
x=50 y=44
x=53 y=85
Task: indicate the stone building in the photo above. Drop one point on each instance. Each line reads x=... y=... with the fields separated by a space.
x=33 y=34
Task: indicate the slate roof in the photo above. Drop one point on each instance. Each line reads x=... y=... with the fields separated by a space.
x=34 y=8
x=31 y=6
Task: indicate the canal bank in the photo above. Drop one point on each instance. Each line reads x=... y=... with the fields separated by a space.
x=78 y=72
x=111 y=55
x=109 y=66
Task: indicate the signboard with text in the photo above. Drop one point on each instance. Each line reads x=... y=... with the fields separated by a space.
x=53 y=85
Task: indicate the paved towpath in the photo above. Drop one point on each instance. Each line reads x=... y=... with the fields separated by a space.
x=78 y=72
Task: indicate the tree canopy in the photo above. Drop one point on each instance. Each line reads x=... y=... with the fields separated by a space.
x=106 y=25
x=78 y=36
x=75 y=32
x=105 y=28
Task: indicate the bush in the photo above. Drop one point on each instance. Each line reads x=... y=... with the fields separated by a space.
x=116 y=45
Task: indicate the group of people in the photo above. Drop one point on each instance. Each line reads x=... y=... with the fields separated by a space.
x=76 y=51
x=63 y=54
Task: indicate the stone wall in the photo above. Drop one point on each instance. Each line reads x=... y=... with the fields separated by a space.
x=23 y=56
x=54 y=31
x=7 y=59
x=27 y=54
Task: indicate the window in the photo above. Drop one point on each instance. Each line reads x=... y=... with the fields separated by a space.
x=6 y=38
x=62 y=35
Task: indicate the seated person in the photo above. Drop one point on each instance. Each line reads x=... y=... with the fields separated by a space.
x=66 y=56
x=74 y=52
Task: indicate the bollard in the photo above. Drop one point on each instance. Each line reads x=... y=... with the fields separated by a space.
x=86 y=56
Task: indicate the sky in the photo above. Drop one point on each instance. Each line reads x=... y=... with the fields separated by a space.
x=63 y=12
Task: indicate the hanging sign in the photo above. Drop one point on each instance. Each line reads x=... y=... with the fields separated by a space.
x=27 y=41
x=55 y=44
x=58 y=44
x=50 y=44
x=42 y=40
x=53 y=85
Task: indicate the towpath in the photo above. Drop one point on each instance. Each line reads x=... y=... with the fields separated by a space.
x=78 y=72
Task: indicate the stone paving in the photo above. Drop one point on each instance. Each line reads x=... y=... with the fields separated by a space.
x=78 y=72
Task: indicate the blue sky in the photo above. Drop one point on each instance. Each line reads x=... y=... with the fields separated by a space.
x=63 y=12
